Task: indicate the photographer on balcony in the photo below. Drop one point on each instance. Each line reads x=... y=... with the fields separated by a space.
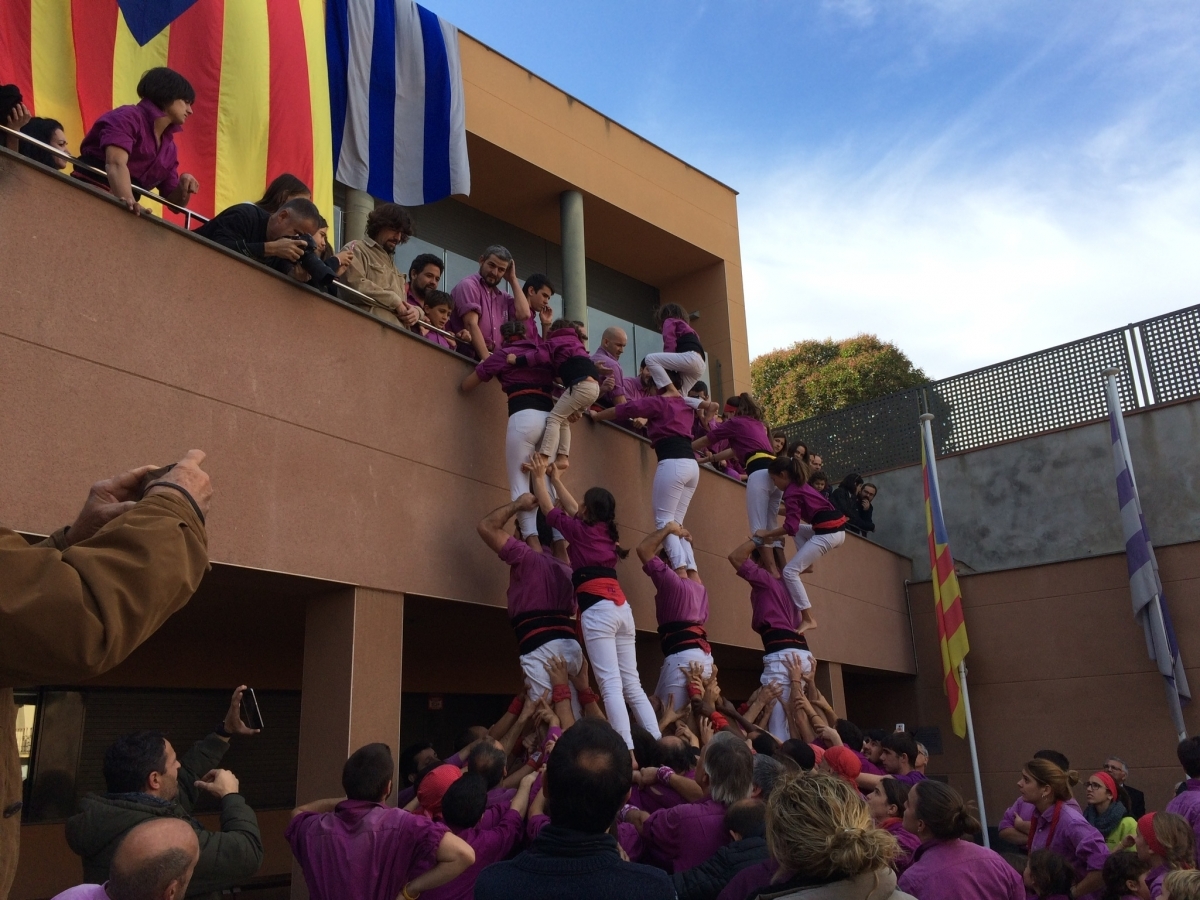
x=282 y=240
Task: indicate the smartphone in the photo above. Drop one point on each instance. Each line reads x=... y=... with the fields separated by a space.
x=152 y=476
x=251 y=714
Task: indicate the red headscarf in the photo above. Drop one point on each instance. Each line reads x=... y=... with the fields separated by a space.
x=1146 y=830
x=1108 y=781
x=843 y=762
x=433 y=788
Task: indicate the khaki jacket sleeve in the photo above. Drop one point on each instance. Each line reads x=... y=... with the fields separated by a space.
x=66 y=615
x=363 y=277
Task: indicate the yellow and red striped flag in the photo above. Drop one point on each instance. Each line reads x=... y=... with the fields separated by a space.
x=258 y=67
x=947 y=597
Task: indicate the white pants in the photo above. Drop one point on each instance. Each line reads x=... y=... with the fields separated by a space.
x=809 y=548
x=775 y=669
x=577 y=398
x=762 y=503
x=525 y=430
x=609 y=634
x=672 y=680
x=690 y=367
x=533 y=664
x=675 y=481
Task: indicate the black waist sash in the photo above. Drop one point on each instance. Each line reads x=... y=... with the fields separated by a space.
x=579 y=580
x=576 y=369
x=674 y=447
x=689 y=343
x=828 y=521
x=538 y=627
x=677 y=636
x=774 y=639
x=531 y=397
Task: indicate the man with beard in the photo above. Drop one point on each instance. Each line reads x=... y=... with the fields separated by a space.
x=481 y=307
x=424 y=275
x=373 y=269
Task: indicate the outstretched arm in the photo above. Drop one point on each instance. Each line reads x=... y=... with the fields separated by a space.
x=741 y=553
x=537 y=468
x=602 y=415
x=652 y=543
x=491 y=529
x=471 y=382
x=565 y=500
x=454 y=856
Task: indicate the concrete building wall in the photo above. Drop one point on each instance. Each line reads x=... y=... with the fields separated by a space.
x=1057 y=661
x=1051 y=497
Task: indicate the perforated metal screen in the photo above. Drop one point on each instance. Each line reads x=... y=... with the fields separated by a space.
x=1158 y=361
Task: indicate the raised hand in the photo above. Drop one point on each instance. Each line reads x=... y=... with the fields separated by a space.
x=556 y=668
x=233 y=717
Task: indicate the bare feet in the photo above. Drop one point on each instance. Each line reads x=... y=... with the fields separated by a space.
x=561 y=463
x=807 y=622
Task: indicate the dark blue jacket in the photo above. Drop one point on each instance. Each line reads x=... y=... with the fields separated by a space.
x=570 y=865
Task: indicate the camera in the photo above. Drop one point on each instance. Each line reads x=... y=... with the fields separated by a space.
x=312 y=263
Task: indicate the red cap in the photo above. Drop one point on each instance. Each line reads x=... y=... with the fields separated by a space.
x=843 y=762
x=433 y=788
x=818 y=752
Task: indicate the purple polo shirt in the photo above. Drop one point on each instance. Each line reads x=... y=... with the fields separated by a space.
x=440 y=339
x=152 y=163
x=911 y=777
x=672 y=331
x=665 y=416
x=1026 y=811
x=1079 y=842
x=687 y=835
x=363 y=850
x=502 y=796
x=676 y=599
x=492 y=840
x=1154 y=880
x=745 y=435
x=960 y=870
x=908 y=842
x=770 y=603
x=590 y=545
x=801 y=503
x=536 y=581
x=868 y=767
x=495 y=307
x=1187 y=804
x=603 y=358
x=84 y=892
x=515 y=378
x=654 y=797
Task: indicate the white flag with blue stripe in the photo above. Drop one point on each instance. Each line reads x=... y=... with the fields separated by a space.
x=396 y=101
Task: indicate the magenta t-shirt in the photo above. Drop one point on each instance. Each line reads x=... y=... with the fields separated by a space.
x=688 y=834
x=495 y=307
x=537 y=582
x=665 y=416
x=672 y=331
x=590 y=545
x=746 y=436
x=771 y=605
x=152 y=163
x=801 y=502
x=676 y=599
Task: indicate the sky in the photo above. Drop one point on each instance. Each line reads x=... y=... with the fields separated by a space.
x=970 y=179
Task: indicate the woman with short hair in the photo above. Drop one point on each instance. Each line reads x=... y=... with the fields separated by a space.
x=820 y=833
x=944 y=866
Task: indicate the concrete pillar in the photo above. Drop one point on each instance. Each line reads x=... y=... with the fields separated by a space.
x=829 y=683
x=574 y=257
x=350 y=690
x=354 y=220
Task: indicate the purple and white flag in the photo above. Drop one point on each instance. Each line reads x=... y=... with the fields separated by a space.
x=1145 y=586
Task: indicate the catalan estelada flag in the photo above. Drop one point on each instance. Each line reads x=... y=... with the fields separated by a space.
x=258 y=67
x=947 y=597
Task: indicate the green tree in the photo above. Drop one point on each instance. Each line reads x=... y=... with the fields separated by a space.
x=814 y=377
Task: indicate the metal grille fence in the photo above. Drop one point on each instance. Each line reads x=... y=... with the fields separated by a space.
x=1158 y=362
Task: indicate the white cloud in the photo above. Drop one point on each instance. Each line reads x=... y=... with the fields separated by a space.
x=962 y=270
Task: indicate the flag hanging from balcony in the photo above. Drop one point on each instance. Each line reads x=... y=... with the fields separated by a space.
x=258 y=68
x=947 y=597
x=1145 y=585
x=396 y=100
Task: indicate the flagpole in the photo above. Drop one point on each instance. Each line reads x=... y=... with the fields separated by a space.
x=926 y=419
x=966 y=696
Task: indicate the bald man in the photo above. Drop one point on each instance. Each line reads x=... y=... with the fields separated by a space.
x=608 y=358
x=154 y=861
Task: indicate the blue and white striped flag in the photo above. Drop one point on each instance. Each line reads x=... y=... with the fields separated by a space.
x=1149 y=604
x=396 y=101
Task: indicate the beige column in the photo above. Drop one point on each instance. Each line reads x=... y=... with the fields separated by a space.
x=354 y=220
x=350 y=692
x=574 y=258
x=829 y=683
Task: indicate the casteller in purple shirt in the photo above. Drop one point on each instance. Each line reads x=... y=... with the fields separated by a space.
x=688 y=834
x=537 y=582
x=676 y=599
x=666 y=417
x=960 y=870
x=362 y=849
x=1073 y=838
x=590 y=545
x=494 y=306
x=153 y=163
x=1187 y=804
x=492 y=840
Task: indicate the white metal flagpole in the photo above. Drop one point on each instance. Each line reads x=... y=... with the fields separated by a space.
x=966 y=697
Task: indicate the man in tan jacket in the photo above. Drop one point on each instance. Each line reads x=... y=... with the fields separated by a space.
x=78 y=603
x=373 y=271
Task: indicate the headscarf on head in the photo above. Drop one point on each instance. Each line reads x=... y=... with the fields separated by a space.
x=1146 y=830
x=433 y=788
x=843 y=762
